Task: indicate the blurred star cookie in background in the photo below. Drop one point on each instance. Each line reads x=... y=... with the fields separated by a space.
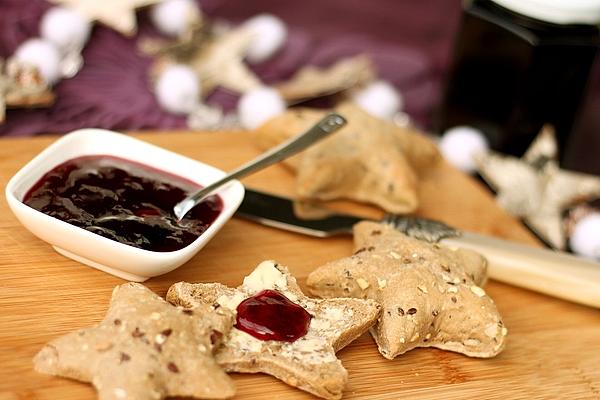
x=370 y=160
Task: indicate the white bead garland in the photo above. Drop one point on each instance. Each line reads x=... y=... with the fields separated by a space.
x=43 y=55
x=67 y=29
x=460 y=145
x=380 y=99
x=174 y=17
x=585 y=239
x=257 y=106
x=178 y=89
x=56 y=54
x=269 y=34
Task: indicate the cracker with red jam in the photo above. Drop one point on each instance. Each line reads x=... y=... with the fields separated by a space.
x=430 y=295
x=369 y=160
x=281 y=332
x=144 y=349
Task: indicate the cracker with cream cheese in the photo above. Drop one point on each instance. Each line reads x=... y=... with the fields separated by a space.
x=309 y=362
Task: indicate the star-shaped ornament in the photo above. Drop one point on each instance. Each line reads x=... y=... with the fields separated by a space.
x=369 y=160
x=535 y=189
x=181 y=49
x=312 y=82
x=430 y=295
x=144 y=349
x=304 y=358
x=22 y=86
x=216 y=55
x=116 y=14
x=221 y=62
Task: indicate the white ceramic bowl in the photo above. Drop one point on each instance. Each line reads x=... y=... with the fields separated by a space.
x=96 y=251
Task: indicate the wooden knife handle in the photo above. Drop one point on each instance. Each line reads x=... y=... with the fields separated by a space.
x=554 y=273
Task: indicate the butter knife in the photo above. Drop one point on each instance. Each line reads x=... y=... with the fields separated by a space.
x=547 y=271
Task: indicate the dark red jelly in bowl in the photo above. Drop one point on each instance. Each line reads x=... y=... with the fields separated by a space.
x=269 y=315
x=122 y=200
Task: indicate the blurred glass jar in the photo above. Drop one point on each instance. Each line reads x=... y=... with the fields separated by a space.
x=519 y=64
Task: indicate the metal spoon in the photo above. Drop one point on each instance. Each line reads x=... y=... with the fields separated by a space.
x=320 y=130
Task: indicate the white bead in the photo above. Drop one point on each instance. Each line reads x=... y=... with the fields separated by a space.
x=67 y=29
x=269 y=34
x=178 y=89
x=585 y=239
x=43 y=55
x=259 y=105
x=174 y=17
x=460 y=145
x=380 y=99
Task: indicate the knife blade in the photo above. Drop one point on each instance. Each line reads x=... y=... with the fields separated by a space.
x=547 y=271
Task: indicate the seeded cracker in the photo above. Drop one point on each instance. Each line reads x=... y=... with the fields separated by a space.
x=368 y=160
x=430 y=295
x=309 y=363
x=144 y=349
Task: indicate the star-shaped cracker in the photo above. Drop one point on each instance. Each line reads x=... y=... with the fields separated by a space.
x=308 y=363
x=144 y=349
x=368 y=160
x=22 y=86
x=536 y=189
x=430 y=295
x=116 y=14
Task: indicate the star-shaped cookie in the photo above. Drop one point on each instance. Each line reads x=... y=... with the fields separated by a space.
x=430 y=295
x=22 y=86
x=536 y=189
x=308 y=363
x=116 y=14
x=144 y=349
x=369 y=160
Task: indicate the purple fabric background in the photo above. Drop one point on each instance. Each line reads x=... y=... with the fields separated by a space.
x=112 y=90
x=409 y=40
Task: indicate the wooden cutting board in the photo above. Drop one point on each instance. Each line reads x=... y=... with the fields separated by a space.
x=553 y=348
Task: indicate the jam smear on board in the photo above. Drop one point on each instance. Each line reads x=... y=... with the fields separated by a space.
x=269 y=315
x=124 y=201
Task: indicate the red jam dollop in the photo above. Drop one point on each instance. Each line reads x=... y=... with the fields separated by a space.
x=124 y=201
x=269 y=315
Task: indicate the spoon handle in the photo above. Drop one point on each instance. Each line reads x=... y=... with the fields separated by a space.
x=329 y=124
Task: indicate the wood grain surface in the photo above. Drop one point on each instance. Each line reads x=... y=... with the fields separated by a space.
x=553 y=347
